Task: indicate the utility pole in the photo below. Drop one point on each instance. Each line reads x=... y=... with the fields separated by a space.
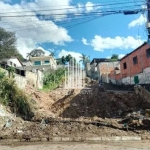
x=148 y=20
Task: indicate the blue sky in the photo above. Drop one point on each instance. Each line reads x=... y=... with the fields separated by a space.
x=100 y=38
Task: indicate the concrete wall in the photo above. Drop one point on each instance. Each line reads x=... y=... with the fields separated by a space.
x=144 y=78
x=88 y=69
x=46 y=68
x=40 y=76
x=33 y=79
x=21 y=81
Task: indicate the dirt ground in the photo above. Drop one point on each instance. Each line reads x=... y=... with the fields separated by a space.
x=64 y=112
x=80 y=146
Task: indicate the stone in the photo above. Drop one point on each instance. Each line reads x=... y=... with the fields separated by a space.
x=131 y=138
x=116 y=138
x=65 y=139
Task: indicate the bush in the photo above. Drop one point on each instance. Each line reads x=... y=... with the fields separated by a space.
x=53 y=80
x=11 y=95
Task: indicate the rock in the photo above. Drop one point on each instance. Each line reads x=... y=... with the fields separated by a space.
x=74 y=104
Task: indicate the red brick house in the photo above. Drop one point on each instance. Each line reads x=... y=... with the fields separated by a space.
x=135 y=66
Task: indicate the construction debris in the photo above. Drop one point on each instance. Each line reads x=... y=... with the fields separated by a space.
x=64 y=112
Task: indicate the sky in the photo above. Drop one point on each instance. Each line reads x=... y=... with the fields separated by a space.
x=64 y=32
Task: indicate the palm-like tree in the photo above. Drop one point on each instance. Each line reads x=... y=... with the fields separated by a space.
x=85 y=59
x=36 y=53
x=52 y=54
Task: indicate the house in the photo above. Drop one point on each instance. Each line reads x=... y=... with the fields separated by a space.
x=43 y=63
x=94 y=69
x=13 y=62
x=114 y=75
x=21 y=76
x=135 y=66
x=100 y=68
x=105 y=67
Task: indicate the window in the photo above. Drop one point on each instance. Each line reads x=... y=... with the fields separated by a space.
x=124 y=65
x=37 y=63
x=135 y=60
x=14 y=65
x=148 y=52
x=10 y=63
x=46 y=62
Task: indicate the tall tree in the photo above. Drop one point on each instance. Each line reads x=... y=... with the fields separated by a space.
x=85 y=59
x=114 y=56
x=36 y=53
x=52 y=54
x=63 y=60
x=68 y=58
x=8 y=45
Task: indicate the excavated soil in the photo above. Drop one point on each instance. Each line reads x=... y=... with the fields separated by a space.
x=77 y=113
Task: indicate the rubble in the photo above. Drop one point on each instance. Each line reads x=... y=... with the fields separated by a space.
x=64 y=112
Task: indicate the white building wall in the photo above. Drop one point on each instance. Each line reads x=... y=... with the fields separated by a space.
x=15 y=61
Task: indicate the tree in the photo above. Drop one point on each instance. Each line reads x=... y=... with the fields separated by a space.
x=63 y=60
x=114 y=57
x=85 y=59
x=11 y=71
x=36 y=53
x=8 y=45
x=52 y=54
x=68 y=58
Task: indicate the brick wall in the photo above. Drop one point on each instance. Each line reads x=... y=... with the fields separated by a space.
x=142 y=62
x=106 y=70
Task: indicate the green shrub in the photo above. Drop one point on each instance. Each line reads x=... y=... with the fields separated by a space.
x=11 y=95
x=53 y=80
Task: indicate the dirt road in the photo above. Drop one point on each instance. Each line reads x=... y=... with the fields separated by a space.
x=81 y=146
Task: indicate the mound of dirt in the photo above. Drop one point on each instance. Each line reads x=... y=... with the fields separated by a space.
x=97 y=103
x=41 y=102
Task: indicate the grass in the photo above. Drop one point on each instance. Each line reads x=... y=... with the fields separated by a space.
x=11 y=95
x=53 y=80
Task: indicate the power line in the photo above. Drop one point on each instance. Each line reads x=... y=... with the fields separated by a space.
x=105 y=1
x=96 y=5
x=73 y=20
x=61 y=14
x=69 y=27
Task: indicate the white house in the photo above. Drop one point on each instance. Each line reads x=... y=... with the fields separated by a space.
x=43 y=61
x=13 y=61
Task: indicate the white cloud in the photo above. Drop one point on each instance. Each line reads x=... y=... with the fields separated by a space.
x=140 y=21
x=144 y=7
x=31 y=31
x=100 y=44
x=74 y=54
x=85 y=41
x=108 y=57
x=121 y=56
x=89 y=6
